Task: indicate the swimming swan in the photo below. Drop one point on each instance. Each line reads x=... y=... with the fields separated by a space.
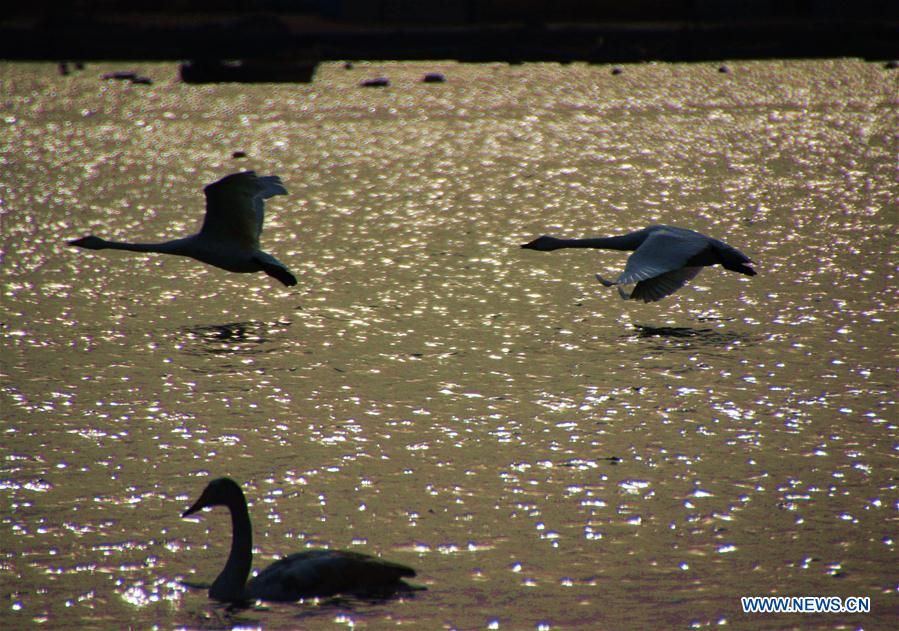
x=664 y=258
x=307 y=574
x=229 y=237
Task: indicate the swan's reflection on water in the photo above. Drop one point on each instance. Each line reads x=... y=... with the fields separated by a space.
x=339 y=609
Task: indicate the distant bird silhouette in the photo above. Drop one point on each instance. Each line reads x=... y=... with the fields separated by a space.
x=314 y=573
x=664 y=258
x=229 y=237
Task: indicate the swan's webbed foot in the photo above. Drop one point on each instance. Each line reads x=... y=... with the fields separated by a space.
x=281 y=274
x=275 y=268
x=605 y=283
x=608 y=283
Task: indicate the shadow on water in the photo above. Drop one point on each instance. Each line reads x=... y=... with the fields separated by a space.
x=688 y=337
x=236 y=338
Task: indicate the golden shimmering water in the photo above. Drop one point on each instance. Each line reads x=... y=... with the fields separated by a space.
x=545 y=454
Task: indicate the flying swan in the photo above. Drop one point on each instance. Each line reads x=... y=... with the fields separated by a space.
x=229 y=237
x=314 y=573
x=664 y=258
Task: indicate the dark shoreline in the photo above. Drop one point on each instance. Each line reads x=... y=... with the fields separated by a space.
x=249 y=36
x=287 y=45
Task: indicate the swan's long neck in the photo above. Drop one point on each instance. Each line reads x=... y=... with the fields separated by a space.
x=230 y=583
x=624 y=242
x=168 y=247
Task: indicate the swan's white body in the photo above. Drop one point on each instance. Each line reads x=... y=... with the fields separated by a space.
x=664 y=258
x=229 y=237
x=303 y=575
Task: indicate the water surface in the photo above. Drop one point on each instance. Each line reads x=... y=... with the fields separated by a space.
x=545 y=454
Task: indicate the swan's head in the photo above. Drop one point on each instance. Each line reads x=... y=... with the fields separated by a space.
x=544 y=244
x=219 y=492
x=91 y=243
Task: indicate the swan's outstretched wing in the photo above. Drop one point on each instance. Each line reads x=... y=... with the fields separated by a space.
x=662 y=252
x=660 y=286
x=271 y=186
x=235 y=207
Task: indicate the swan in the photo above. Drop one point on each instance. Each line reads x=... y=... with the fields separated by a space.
x=229 y=237
x=664 y=258
x=314 y=573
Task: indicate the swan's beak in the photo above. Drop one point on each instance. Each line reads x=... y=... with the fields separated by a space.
x=90 y=242
x=544 y=244
x=199 y=505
